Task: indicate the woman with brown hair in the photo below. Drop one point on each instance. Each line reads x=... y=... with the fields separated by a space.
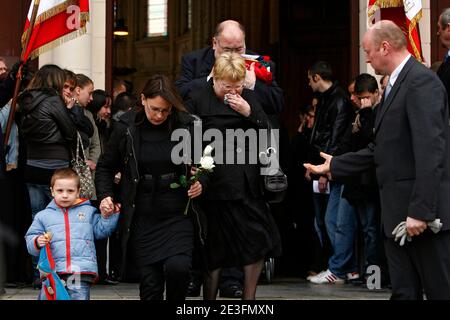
x=154 y=229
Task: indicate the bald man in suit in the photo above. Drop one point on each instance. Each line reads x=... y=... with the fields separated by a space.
x=411 y=154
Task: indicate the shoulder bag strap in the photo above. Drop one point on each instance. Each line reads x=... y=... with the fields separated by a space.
x=80 y=142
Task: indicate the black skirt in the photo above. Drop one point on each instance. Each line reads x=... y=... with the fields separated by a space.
x=160 y=229
x=240 y=233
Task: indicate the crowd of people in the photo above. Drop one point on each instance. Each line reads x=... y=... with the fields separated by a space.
x=383 y=143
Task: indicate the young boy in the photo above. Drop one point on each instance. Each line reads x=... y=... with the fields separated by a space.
x=73 y=225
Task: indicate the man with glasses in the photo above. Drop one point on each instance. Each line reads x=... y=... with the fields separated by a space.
x=196 y=67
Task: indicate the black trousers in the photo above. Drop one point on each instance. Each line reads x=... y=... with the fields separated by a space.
x=100 y=249
x=15 y=215
x=173 y=272
x=421 y=266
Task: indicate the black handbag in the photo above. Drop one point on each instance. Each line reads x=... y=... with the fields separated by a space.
x=275 y=180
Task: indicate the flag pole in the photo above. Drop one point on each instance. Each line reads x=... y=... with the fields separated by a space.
x=12 y=110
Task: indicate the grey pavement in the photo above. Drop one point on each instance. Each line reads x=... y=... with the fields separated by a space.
x=279 y=289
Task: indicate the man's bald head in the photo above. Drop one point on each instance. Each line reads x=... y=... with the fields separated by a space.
x=230 y=26
x=385 y=47
x=388 y=31
x=229 y=37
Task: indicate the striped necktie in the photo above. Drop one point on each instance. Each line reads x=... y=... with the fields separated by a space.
x=387 y=90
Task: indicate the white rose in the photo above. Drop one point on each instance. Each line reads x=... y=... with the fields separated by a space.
x=207 y=163
x=208 y=150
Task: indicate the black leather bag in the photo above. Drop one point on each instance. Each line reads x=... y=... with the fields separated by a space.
x=275 y=180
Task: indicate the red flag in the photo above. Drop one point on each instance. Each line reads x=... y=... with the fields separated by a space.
x=262 y=67
x=406 y=14
x=57 y=21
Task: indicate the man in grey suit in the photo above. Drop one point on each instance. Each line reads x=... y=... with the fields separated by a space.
x=411 y=154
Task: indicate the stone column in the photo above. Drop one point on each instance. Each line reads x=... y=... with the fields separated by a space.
x=87 y=53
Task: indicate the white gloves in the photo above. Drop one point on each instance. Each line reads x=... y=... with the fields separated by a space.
x=401 y=234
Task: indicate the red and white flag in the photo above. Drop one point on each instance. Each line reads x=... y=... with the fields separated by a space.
x=57 y=21
x=406 y=14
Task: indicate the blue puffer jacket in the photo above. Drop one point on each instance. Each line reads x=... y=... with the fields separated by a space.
x=73 y=230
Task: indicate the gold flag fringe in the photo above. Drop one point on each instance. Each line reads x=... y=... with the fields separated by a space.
x=55 y=10
x=380 y=4
x=414 y=23
x=62 y=7
x=390 y=3
x=52 y=45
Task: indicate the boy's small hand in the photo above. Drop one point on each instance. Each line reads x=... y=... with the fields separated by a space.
x=109 y=213
x=108 y=207
x=43 y=240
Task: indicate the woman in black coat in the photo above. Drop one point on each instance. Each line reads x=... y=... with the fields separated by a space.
x=241 y=230
x=154 y=229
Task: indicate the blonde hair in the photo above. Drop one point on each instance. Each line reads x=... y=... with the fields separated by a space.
x=230 y=66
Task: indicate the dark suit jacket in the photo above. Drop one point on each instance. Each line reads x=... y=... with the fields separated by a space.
x=410 y=151
x=196 y=67
x=230 y=181
x=444 y=75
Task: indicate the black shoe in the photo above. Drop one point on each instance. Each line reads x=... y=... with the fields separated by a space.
x=234 y=292
x=111 y=280
x=193 y=290
x=107 y=281
x=37 y=284
x=2 y=291
x=358 y=282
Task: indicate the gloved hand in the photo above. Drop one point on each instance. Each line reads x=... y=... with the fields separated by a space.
x=401 y=234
